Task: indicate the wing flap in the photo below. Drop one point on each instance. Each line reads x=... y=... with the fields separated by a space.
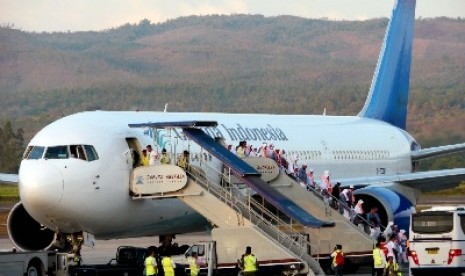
x=437 y=151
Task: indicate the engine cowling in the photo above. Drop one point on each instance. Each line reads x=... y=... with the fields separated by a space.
x=29 y=235
x=392 y=205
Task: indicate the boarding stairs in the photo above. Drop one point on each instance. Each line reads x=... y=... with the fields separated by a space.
x=356 y=242
x=289 y=196
x=239 y=209
x=227 y=206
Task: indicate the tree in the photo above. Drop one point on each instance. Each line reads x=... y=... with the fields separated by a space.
x=11 y=145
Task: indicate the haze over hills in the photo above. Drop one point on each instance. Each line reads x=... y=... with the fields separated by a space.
x=238 y=63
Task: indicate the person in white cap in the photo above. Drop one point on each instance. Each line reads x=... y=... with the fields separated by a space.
x=345 y=200
x=359 y=215
x=326 y=186
x=311 y=179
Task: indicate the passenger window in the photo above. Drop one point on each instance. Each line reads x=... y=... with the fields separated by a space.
x=58 y=152
x=91 y=153
x=36 y=153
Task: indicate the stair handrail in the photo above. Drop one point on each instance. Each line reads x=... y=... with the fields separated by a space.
x=234 y=193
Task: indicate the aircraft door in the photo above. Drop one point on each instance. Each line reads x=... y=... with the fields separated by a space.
x=135 y=152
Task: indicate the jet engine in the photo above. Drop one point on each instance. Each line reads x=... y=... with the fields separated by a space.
x=392 y=204
x=29 y=235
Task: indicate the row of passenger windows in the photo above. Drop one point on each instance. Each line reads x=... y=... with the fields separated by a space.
x=360 y=154
x=341 y=154
x=83 y=152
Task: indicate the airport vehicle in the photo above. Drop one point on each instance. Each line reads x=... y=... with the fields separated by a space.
x=221 y=255
x=129 y=261
x=38 y=263
x=437 y=241
x=76 y=173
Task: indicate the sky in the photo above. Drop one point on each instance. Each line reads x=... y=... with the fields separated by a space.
x=97 y=15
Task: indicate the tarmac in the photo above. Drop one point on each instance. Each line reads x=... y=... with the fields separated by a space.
x=105 y=250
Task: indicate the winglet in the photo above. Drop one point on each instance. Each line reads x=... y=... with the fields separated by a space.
x=388 y=97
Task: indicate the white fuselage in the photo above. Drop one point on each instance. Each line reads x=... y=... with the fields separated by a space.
x=71 y=195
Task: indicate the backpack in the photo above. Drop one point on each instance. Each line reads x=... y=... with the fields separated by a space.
x=339 y=259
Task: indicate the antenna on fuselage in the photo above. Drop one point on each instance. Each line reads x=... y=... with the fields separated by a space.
x=166 y=107
x=324 y=111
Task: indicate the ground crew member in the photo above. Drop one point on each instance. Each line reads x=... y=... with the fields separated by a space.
x=183 y=160
x=379 y=260
x=164 y=159
x=392 y=268
x=249 y=262
x=194 y=264
x=150 y=263
x=338 y=260
x=168 y=265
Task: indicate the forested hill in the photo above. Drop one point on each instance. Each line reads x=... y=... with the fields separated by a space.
x=238 y=63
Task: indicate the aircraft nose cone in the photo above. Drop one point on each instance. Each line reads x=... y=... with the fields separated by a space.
x=40 y=186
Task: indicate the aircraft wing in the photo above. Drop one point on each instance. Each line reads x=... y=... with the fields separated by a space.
x=9 y=178
x=437 y=151
x=424 y=181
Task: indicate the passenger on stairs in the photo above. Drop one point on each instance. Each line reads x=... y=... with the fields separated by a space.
x=253 y=152
x=164 y=159
x=240 y=149
x=375 y=223
x=292 y=165
x=262 y=151
x=359 y=213
x=153 y=155
x=335 y=199
x=311 y=180
x=345 y=206
x=183 y=160
x=302 y=176
x=326 y=186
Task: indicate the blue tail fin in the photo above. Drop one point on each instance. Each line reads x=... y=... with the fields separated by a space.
x=388 y=97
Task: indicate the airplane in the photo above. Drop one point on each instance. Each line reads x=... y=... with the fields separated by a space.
x=75 y=171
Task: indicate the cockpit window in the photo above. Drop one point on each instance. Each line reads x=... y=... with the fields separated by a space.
x=58 y=152
x=77 y=151
x=83 y=152
x=34 y=152
x=91 y=153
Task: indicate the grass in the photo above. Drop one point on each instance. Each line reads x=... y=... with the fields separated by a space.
x=9 y=193
x=459 y=190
